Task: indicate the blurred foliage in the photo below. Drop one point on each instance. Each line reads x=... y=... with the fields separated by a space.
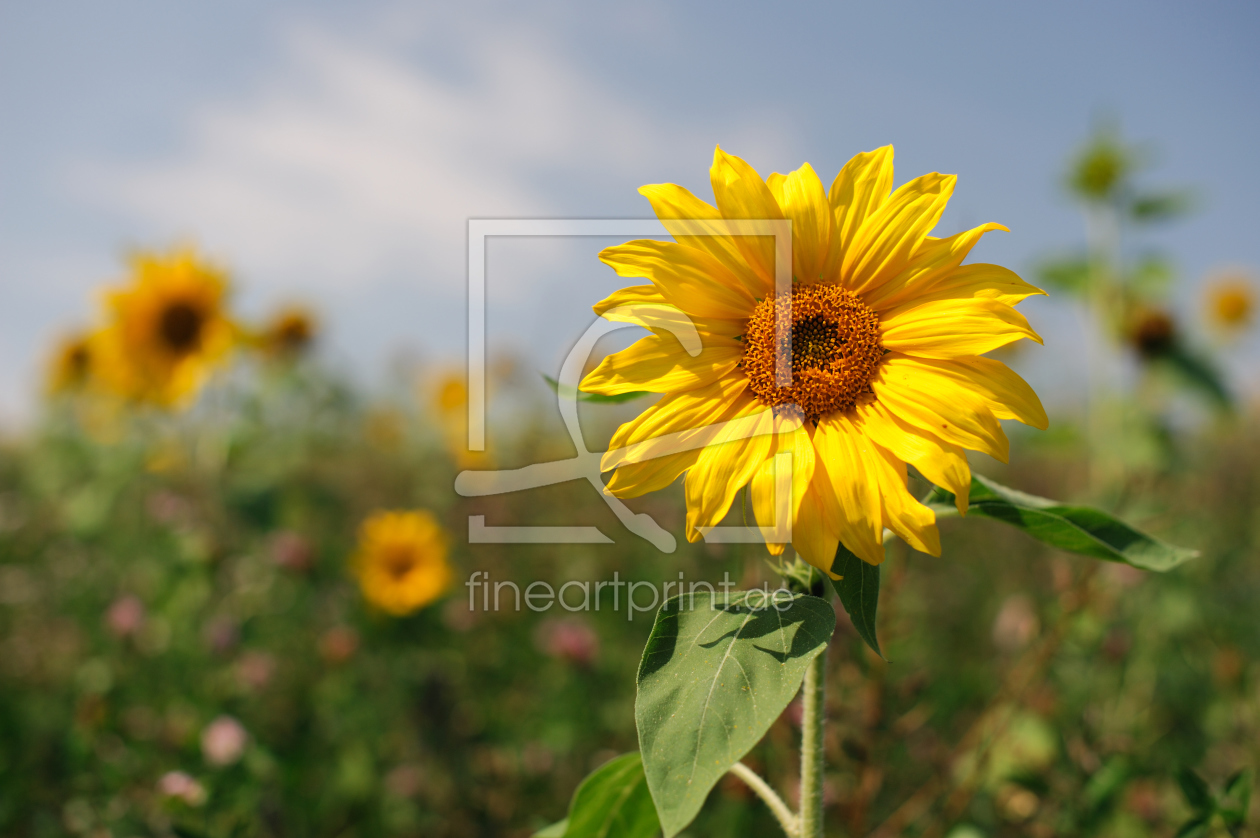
x=184 y=650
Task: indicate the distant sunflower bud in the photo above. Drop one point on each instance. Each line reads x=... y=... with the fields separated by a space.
x=1153 y=333
x=71 y=368
x=290 y=333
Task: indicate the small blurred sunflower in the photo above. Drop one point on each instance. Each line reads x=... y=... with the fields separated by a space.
x=70 y=370
x=448 y=395
x=289 y=334
x=167 y=329
x=1231 y=302
x=887 y=332
x=401 y=561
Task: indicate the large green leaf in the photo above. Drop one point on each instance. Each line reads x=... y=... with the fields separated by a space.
x=1079 y=529
x=715 y=675
x=613 y=802
x=858 y=588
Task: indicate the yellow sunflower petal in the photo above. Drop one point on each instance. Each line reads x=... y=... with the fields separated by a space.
x=658 y=364
x=941 y=462
x=690 y=415
x=816 y=535
x=951 y=328
x=804 y=201
x=902 y=513
x=741 y=193
x=689 y=278
x=629 y=296
x=644 y=306
x=891 y=235
x=850 y=462
x=795 y=442
x=688 y=219
x=921 y=394
x=858 y=191
x=932 y=260
x=992 y=282
x=762 y=495
x=726 y=467
x=634 y=479
x=1008 y=395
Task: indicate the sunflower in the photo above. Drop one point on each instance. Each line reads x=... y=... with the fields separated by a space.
x=887 y=332
x=447 y=397
x=167 y=329
x=401 y=561
x=70 y=370
x=289 y=333
x=1231 y=302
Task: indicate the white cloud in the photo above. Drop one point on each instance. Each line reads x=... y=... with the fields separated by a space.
x=353 y=165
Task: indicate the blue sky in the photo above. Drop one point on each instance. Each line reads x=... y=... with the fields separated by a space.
x=332 y=152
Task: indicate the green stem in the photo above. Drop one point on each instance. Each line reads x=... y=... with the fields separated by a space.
x=812 y=748
x=762 y=789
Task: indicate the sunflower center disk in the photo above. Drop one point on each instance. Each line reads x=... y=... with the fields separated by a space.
x=399 y=562
x=180 y=327
x=834 y=343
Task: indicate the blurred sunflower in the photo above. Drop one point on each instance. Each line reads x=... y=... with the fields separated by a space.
x=289 y=333
x=1231 y=303
x=71 y=367
x=1152 y=332
x=887 y=329
x=448 y=395
x=168 y=329
x=401 y=561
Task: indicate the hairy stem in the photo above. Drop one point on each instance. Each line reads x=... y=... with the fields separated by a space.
x=787 y=819
x=812 y=748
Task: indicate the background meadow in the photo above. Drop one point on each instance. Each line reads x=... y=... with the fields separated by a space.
x=188 y=641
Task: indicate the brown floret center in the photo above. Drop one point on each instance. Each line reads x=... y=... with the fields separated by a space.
x=180 y=327
x=835 y=349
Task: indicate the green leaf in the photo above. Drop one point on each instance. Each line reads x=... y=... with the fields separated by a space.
x=718 y=670
x=1107 y=782
x=1235 y=802
x=1151 y=277
x=1079 y=529
x=1066 y=273
x=1161 y=206
x=613 y=802
x=858 y=588
x=1199 y=374
x=1196 y=790
x=596 y=398
x=1194 y=828
x=556 y=830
